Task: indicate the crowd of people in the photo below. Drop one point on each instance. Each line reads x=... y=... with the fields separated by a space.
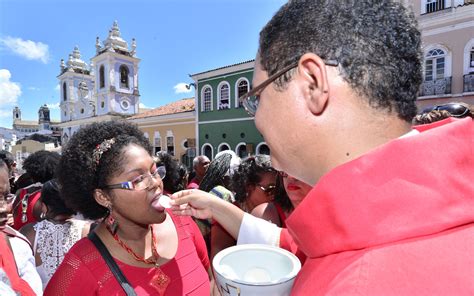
x=371 y=197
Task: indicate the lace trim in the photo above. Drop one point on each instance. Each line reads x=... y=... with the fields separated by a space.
x=53 y=241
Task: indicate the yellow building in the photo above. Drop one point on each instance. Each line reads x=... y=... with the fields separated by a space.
x=171 y=128
x=24 y=148
x=447 y=32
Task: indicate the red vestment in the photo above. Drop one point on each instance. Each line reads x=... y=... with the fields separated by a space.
x=398 y=220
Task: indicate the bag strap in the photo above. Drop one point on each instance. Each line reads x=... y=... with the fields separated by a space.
x=111 y=263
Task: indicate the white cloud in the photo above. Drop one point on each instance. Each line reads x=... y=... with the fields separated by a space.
x=53 y=106
x=142 y=106
x=5 y=113
x=56 y=87
x=9 y=91
x=26 y=48
x=33 y=88
x=181 y=88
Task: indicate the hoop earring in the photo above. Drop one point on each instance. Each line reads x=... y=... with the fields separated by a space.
x=110 y=221
x=42 y=215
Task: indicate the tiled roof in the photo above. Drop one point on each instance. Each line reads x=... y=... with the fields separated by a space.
x=183 y=105
x=25 y=122
x=222 y=67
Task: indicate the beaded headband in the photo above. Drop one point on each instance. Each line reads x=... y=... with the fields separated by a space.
x=101 y=148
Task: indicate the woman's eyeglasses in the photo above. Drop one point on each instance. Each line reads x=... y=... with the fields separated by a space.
x=141 y=182
x=268 y=190
x=455 y=109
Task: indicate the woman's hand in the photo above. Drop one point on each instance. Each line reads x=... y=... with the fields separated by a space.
x=193 y=202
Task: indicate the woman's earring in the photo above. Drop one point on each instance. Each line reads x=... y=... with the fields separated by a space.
x=42 y=215
x=110 y=222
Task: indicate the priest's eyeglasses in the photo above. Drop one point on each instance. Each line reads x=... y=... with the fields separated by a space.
x=250 y=99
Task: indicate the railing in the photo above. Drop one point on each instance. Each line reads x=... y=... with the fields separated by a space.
x=436 y=87
x=435 y=6
x=469 y=83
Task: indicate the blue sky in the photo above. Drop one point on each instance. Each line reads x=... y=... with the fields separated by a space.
x=174 y=39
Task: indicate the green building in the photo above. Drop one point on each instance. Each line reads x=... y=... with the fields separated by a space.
x=221 y=122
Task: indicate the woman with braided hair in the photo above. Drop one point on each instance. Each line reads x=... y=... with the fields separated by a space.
x=107 y=172
x=217 y=181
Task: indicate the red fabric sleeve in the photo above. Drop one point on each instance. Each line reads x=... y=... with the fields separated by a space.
x=72 y=278
x=199 y=243
x=287 y=243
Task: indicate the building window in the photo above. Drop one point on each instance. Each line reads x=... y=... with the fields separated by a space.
x=124 y=76
x=242 y=89
x=102 y=76
x=241 y=150
x=64 y=92
x=223 y=147
x=157 y=145
x=170 y=145
x=470 y=66
x=471 y=61
x=125 y=104
x=435 y=64
x=207 y=99
x=434 y=5
x=207 y=150
x=224 y=96
x=262 y=148
x=102 y=104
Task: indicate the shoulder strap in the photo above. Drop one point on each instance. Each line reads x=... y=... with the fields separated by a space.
x=10 y=232
x=111 y=263
x=7 y=239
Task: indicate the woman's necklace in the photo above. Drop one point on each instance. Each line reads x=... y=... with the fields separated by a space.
x=154 y=252
x=160 y=280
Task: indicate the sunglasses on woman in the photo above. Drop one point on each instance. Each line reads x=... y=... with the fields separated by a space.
x=268 y=190
x=455 y=109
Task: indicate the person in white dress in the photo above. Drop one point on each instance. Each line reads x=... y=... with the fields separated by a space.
x=56 y=234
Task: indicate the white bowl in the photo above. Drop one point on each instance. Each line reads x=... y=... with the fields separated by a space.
x=255 y=270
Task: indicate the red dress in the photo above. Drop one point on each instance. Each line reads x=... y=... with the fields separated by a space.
x=398 y=220
x=84 y=272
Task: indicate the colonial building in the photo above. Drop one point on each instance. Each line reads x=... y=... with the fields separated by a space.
x=104 y=90
x=221 y=121
x=171 y=128
x=43 y=124
x=447 y=30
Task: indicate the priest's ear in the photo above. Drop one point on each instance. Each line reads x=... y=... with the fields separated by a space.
x=314 y=78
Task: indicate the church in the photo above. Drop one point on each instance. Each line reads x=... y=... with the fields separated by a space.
x=106 y=89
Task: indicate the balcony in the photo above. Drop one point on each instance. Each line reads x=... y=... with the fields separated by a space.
x=436 y=87
x=468 y=83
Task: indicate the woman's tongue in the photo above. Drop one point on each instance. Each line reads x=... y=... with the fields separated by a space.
x=161 y=203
